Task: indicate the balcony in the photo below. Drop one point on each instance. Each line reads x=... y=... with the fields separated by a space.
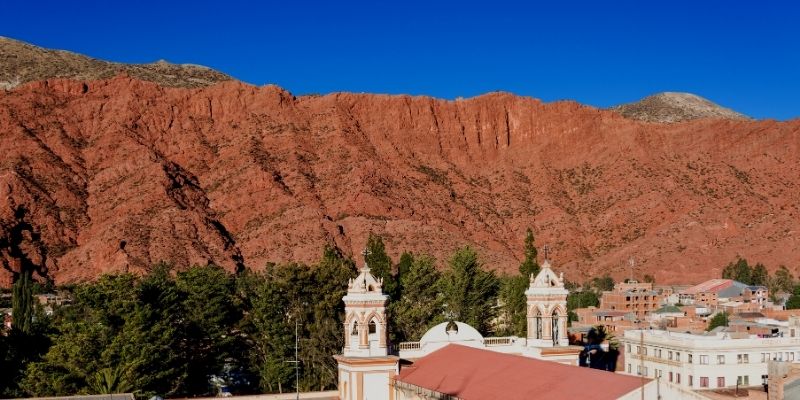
x=654 y=359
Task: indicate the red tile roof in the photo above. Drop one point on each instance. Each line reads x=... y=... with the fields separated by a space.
x=475 y=374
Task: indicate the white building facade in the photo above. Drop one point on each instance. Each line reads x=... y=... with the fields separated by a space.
x=710 y=361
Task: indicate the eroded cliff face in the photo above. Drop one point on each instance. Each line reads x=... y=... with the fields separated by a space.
x=117 y=175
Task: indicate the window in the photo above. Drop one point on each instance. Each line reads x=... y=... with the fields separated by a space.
x=743 y=380
x=677 y=378
x=764 y=357
x=669 y=355
x=691 y=380
x=629 y=368
x=670 y=376
x=678 y=356
x=703 y=359
x=721 y=382
x=704 y=381
x=658 y=354
x=721 y=359
x=789 y=356
x=628 y=348
x=690 y=358
x=742 y=359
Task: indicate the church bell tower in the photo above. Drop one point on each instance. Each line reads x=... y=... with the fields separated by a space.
x=547 y=309
x=365 y=366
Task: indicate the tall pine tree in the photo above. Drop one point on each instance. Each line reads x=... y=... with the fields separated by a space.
x=512 y=290
x=469 y=292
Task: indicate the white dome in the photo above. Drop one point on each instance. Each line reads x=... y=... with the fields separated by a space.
x=440 y=334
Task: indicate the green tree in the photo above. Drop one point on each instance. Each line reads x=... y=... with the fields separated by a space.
x=793 y=302
x=324 y=332
x=469 y=292
x=781 y=282
x=403 y=266
x=720 y=319
x=512 y=290
x=118 y=322
x=109 y=381
x=738 y=270
x=274 y=300
x=211 y=313
x=603 y=283
x=649 y=278
x=585 y=297
x=420 y=306
x=380 y=264
x=759 y=275
x=529 y=265
x=22 y=301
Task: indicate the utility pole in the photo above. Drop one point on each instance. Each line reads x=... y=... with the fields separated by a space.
x=631 y=263
x=296 y=361
x=641 y=357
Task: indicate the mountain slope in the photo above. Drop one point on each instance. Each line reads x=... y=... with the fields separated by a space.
x=21 y=63
x=116 y=174
x=675 y=107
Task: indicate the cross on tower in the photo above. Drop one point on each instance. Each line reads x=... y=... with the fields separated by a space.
x=546 y=249
x=366 y=253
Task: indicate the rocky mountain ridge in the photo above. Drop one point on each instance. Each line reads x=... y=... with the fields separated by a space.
x=114 y=175
x=21 y=62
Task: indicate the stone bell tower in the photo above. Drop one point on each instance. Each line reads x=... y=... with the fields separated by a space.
x=365 y=366
x=547 y=309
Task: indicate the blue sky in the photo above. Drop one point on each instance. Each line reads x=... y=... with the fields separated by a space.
x=743 y=55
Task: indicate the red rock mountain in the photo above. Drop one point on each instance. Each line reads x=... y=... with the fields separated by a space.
x=117 y=174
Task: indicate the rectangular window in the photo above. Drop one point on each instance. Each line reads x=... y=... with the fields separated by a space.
x=703 y=360
x=677 y=378
x=764 y=357
x=628 y=348
x=743 y=380
x=629 y=368
x=678 y=356
x=669 y=355
x=691 y=380
x=704 y=381
x=720 y=381
x=670 y=376
x=690 y=358
x=721 y=359
x=789 y=356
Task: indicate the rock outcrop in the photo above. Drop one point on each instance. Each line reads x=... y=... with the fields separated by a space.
x=675 y=107
x=115 y=175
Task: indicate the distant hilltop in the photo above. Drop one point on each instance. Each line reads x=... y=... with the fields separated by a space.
x=675 y=107
x=21 y=63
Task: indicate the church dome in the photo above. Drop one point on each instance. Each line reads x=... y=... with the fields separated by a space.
x=453 y=331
